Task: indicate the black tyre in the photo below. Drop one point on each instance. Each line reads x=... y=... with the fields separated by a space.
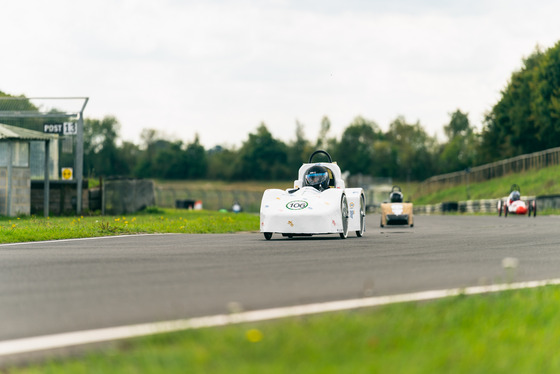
x=505 y=210
x=344 y=213
x=362 y=229
x=267 y=235
x=534 y=208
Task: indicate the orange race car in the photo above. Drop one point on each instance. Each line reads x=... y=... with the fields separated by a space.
x=396 y=212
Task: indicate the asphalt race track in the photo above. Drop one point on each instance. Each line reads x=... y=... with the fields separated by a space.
x=54 y=287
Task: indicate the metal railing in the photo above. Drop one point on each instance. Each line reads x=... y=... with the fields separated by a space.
x=536 y=160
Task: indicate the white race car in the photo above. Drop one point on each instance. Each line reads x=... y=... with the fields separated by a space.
x=319 y=203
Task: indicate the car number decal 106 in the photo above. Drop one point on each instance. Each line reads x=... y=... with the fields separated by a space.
x=297 y=205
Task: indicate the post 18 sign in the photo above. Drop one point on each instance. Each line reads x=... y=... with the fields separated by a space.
x=64 y=128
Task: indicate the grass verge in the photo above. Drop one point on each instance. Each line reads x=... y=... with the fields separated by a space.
x=513 y=331
x=532 y=182
x=25 y=229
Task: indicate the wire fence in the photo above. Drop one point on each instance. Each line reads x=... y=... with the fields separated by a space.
x=537 y=160
x=174 y=197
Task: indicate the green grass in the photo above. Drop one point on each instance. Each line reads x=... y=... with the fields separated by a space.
x=24 y=229
x=508 y=332
x=533 y=182
x=514 y=331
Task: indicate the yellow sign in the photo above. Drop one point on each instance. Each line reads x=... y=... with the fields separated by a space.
x=67 y=173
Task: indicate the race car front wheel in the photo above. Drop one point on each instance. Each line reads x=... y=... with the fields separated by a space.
x=360 y=232
x=267 y=235
x=344 y=212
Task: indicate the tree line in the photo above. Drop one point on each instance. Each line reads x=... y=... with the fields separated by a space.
x=405 y=151
x=525 y=119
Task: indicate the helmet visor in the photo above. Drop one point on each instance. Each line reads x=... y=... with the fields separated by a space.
x=314 y=179
x=396 y=197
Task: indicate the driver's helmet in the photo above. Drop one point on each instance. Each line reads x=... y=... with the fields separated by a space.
x=515 y=195
x=317 y=176
x=396 y=197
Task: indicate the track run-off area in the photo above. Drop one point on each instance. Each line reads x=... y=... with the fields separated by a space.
x=60 y=287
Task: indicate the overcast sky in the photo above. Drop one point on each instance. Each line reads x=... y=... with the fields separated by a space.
x=220 y=68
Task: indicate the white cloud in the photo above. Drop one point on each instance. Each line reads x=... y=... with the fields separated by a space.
x=220 y=68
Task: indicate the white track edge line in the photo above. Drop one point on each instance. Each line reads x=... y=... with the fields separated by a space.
x=39 y=343
x=78 y=239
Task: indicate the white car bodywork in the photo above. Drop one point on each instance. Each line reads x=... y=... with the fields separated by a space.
x=305 y=211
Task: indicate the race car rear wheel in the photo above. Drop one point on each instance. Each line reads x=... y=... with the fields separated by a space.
x=267 y=235
x=360 y=232
x=344 y=212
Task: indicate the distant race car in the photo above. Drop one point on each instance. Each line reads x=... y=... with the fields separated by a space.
x=514 y=205
x=319 y=203
x=396 y=212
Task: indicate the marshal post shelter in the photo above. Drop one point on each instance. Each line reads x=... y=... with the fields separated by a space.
x=15 y=168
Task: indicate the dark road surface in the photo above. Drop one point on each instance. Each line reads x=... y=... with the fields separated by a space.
x=54 y=287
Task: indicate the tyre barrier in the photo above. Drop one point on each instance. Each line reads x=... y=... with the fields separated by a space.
x=475 y=206
x=184 y=204
x=548 y=202
x=450 y=206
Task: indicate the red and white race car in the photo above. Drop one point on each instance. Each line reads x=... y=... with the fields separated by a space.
x=514 y=205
